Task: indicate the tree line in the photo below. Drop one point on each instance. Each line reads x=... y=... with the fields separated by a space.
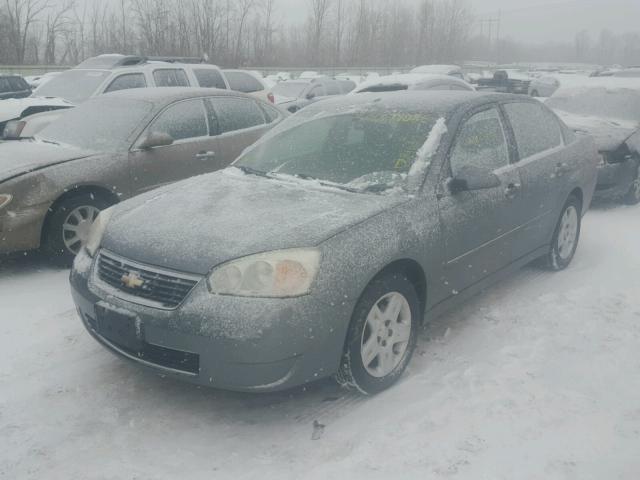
x=239 y=33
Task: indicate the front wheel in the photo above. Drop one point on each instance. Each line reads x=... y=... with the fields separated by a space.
x=382 y=335
x=68 y=226
x=566 y=236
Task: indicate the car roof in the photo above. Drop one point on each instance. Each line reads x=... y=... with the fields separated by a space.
x=165 y=95
x=409 y=79
x=414 y=100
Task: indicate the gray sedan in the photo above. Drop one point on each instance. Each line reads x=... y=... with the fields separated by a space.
x=113 y=147
x=321 y=251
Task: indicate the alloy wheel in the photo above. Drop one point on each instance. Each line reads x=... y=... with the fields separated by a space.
x=76 y=227
x=568 y=234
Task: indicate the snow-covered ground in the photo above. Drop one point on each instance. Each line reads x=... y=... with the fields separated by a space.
x=539 y=378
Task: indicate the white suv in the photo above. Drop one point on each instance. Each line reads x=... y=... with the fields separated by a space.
x=96 y=76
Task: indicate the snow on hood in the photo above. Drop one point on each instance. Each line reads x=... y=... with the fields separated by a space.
x=12 y=108
x=280 y=100
x=609 y=133
x=193 y=225
x=19 y=157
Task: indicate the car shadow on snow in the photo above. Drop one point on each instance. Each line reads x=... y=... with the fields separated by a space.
x=25 y=262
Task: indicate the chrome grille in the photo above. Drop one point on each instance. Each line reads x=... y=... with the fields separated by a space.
x=156 y=286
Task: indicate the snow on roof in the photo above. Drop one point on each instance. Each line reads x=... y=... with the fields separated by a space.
x=408 y=79
x=438 y=69
x=609 y=84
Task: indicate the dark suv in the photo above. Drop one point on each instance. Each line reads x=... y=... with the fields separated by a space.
x=13 y=86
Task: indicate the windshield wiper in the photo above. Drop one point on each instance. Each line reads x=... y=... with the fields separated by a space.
x=253 y=171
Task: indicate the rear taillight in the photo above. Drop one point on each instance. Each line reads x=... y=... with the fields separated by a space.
x=13 y=129
x=271 y=98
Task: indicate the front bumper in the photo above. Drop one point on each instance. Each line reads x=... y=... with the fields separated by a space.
x=21 y=230
x=615 y=179
x=241 y=344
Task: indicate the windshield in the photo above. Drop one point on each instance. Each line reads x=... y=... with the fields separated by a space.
x=75 y=86
x=290 y=89
x=368 y=151
x=600 y=102
x=102 y=124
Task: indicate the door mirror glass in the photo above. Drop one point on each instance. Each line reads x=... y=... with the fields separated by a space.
x=472 y=178
x=155 y=139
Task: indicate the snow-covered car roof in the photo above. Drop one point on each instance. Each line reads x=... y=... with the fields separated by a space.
x=437 y=69
x=409 y=81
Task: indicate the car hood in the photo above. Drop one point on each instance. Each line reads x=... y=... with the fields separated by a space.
x=22 y=156
x=13 y=108
x=194 y=225
x=280 y=100
x=609 y=133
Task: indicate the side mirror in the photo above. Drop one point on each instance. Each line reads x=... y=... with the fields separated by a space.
x=155 y=139
x=471 y=178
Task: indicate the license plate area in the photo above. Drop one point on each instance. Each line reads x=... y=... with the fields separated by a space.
x=121 y=328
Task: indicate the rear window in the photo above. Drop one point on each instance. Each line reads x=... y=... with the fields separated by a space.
x=236 y=113
x=347 y=86
x=209 y=78
x=333 y=88
x=536 y=129
x=170 y=78
x=243 y=82
x=4 y=85
x=18 y=84
x=126 y=82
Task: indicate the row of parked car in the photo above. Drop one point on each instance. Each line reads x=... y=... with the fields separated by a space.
x=221 y=240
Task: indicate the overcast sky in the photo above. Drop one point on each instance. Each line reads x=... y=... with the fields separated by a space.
x=533 y=20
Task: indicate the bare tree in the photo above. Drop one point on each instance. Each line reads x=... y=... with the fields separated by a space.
x=22 y=15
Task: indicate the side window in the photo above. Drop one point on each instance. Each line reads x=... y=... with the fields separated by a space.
x=333 y=88
x=4 y=85
x=243 y=82
x=236 y=113
x=270 y=113
x=169 y=77
x=182 y=120
x=18 y=84
x=481 y=143
x=535 y=128
x=125 y=82
x=209 y=78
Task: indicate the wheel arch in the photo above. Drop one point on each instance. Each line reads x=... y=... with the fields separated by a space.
x=577 y=192
x=97 y=190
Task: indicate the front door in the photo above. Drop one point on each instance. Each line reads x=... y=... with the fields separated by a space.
x=478 y=226
x=193 y=151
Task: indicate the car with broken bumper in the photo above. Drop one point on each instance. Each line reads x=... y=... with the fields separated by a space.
x=322 y=250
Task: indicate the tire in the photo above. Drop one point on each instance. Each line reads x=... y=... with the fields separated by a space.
x=57 y=237
x=566 y=236
x=391 y=347
x=633 y=195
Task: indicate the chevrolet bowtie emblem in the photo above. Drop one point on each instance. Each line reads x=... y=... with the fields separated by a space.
x=132 y=280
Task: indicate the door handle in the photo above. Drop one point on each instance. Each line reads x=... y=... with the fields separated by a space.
x=562 y=168
x=206 y=155
x=512 y=190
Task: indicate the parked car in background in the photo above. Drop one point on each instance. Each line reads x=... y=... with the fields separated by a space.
x=451 y=70
x=632 y=72
x=35 y=81
x=352 y=210
x=610 y=113
x=111 y=148
x=293 y=95
x=546 y=85
x=100 y=75
x=13 y=86
x=413 y=81
x=506 y=81
x=248 y=82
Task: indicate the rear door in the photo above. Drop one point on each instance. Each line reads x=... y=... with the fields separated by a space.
x=238 y=122
x=193 y=152
x=544 y=165
x=479 y=226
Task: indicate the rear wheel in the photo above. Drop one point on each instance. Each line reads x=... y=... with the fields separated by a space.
x=382 y=335
x=566 y=236
x=67 y=228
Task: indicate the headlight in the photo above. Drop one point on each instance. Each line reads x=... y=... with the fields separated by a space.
x=5 y=198
x=97 y=230
x=602 y=160
x=278 y=274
